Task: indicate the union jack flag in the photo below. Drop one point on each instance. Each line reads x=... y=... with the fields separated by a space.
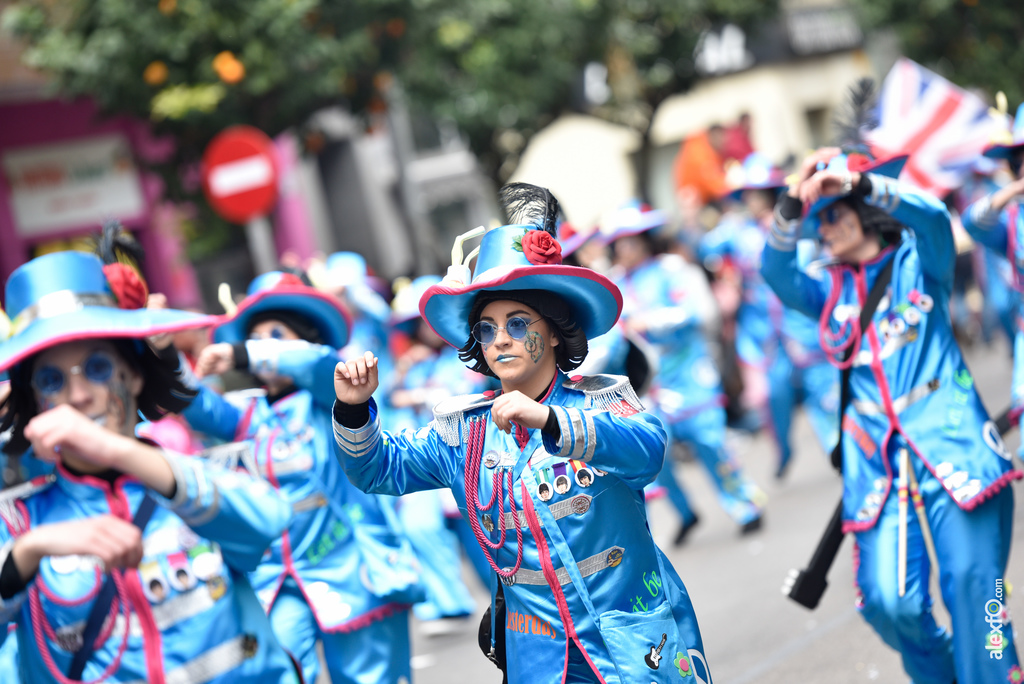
x=942 y=127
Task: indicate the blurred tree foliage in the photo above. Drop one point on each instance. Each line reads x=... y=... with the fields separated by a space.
x=194 y=67
x=500 y=69
x=503 y=69
x=975 y=43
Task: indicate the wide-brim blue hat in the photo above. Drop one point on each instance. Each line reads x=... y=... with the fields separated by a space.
x=632 y=218
x=572 y=239
x=277 y=291
x=510 y=259
x=66 y=297
x=889 y=167
x=758 y=173
x=405 y=307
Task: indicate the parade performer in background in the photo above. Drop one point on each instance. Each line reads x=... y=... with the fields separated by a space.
x=426 y=373
x=780 y=359
x=668 y=303
x=80 y=375
x=996 y=221
x=347 y=276
x=914 y=421
x=549 y=471
x=328 y=577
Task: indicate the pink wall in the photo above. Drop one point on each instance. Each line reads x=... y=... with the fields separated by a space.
x=36 y=123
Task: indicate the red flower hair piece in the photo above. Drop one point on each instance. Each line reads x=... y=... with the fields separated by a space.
x=128 y=287
x=540 y=248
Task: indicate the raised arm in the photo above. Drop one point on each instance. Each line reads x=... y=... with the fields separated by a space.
x=988 y=219
x=240 y=513
x=925 y=215
x=780 y=266
x=376 y=461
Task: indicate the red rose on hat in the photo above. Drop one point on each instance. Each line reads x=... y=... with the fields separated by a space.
x=540 y=248
x=128 y=287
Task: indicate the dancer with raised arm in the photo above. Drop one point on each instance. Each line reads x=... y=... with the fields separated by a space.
x=588 y=595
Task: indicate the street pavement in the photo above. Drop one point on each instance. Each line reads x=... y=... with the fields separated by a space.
x=752 y=633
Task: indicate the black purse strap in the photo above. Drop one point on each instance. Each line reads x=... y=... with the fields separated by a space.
x=866 y=314
x=101 y=606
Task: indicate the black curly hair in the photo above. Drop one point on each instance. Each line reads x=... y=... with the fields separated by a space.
x=163 y=391
x=572 y=342
x=875 y=221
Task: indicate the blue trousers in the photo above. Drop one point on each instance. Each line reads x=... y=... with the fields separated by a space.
x=817 y=387
x=972 y=551
x=705 y=433
x=377 y=654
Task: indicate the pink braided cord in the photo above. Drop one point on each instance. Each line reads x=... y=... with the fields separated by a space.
x=41 y=625
x=477 y=431
x=836 y=344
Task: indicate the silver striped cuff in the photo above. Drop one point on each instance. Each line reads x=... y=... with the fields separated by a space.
x=358 y=442
x=885 y=193
x=784 y=233
x=982 y=215
x=578 y=434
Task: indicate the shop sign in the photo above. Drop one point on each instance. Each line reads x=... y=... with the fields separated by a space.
x=72 y=184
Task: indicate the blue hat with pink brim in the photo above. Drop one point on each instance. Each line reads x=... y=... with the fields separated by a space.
x=758 y=173
x=632 y=218
x=277 y=291
x=66 y=297
x=847 y=163
x=512 y=258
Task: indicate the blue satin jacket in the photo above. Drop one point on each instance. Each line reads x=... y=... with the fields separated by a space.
x=763 y=323
x=909 y=385
x=674 y=301
x=292 y=445
x=1003 y=233
x=593 y=481
x=192 y=615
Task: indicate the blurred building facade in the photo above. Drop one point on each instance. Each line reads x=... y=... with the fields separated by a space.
x=397 y=192
x=790 y=78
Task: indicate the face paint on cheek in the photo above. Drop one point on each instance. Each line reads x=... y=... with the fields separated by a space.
x=534 y=345
x=118 y=402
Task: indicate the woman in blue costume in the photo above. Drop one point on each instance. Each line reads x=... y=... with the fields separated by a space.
x=427 y=372
x=316 y=582
x=667 y=301
x=588 y=595
x=778 y=348
x=997 y=222
x=81 y=373
x=914 y=422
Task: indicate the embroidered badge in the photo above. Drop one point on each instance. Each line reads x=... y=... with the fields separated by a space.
x=580 y=504
x=488 y=522
x=217 y=587
x=507 y=581
x=491 y=459
x=682 y=664
x=614 y=557
x=180 y=575
x=582 y=474
x=653 y=659
x=154 y=584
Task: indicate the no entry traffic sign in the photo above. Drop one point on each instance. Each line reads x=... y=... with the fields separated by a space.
x=239 y=173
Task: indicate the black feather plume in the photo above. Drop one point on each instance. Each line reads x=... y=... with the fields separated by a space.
x=116 y=245
x=530 y=205
x=858 y=116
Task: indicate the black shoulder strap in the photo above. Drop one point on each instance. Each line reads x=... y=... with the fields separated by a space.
x=101 y=606
x=866 y=314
